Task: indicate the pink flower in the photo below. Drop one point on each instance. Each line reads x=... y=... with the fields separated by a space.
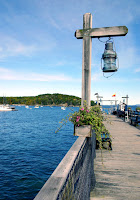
x=87 y=111
x=78 y=117
x=82 y=109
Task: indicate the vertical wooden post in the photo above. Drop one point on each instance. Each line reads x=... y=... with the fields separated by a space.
x=97 y=100
x=86 y=34
x=116 y=104
x=86 y=64
x=127 y=99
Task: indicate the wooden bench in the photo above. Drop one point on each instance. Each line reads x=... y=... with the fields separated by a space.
x=120 y=113
x=106 y=142
x=135 y=120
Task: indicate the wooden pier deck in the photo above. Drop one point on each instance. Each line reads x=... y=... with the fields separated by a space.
x=118 y=178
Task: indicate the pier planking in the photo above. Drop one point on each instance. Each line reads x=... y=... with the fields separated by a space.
x=118 y=177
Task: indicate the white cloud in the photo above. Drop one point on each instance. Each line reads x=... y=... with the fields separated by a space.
x=44 y=77
x=127 y=57
x=7 y=74
x=136 y=79
x=137 y=70
x=4 y=70
x=12 y=47
x=57 y=64
x=53 y=23
x=127 y=51
x=96 y=76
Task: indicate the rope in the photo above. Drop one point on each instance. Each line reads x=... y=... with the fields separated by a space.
x=106 y=40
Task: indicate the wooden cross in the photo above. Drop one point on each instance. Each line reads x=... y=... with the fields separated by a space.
x=87 y=33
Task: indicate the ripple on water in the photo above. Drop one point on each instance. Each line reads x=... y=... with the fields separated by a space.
x=30 y=150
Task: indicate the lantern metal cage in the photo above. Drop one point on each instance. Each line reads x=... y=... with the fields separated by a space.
x=109 y=58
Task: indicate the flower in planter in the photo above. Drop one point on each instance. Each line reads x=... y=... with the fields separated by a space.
x=88 y=116
x=93 y=117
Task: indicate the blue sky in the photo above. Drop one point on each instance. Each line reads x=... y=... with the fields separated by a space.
x=39 y=53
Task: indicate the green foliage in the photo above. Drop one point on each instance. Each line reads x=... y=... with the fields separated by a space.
x=85 y=116
x=44 y=99
x=92 y=116
x=137 y=108
x=93 y=103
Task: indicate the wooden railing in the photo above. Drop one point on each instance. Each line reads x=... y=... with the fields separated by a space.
x=74 y=176
x=134 y=117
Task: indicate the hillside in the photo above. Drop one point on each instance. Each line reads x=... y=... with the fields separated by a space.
x=44 y=99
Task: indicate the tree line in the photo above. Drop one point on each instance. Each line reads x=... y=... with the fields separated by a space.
x=44 y=99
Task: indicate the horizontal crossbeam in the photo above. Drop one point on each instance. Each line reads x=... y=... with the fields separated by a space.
x=102 y=32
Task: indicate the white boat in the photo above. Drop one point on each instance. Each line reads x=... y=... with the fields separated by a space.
x=27 y=107
x=7 y=108
x=63 y=108
x=36 y=106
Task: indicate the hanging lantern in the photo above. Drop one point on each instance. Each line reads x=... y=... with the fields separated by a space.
x=109 y=57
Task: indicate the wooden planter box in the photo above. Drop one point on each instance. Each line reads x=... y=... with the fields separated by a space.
x=83 y=131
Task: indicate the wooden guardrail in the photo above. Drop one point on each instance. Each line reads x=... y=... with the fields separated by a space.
x=74 y=176
x=134 y=117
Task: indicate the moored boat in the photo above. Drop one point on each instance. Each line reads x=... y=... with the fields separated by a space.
x=63 y=108
x=36 y=106
x=7 y=108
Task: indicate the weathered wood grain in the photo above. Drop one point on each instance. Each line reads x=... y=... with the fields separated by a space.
x=119 y=176
x=101 y=32
x=86 y=64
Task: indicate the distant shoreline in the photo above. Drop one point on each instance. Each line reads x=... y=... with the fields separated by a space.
x=44 y=105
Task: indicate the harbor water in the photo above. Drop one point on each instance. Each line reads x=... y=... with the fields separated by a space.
x=30 y=150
